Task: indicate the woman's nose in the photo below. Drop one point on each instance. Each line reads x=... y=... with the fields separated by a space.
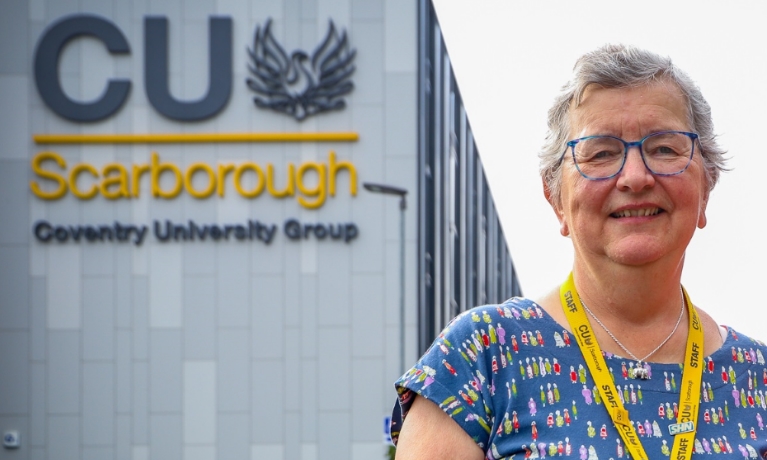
x=635 y=176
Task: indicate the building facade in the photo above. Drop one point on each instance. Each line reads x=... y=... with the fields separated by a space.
x=464 y=257
x=190 y=264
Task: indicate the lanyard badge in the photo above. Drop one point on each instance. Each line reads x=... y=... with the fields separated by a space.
x=689 y=398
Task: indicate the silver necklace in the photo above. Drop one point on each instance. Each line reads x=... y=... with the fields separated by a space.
x=639 y=371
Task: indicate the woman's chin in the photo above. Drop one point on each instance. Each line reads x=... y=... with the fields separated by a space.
x=636 y=252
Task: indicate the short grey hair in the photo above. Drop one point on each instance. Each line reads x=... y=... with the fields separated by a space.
x=619 y=66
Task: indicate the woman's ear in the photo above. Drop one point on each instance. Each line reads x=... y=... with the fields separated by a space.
x=555 y=203
x=702 y=221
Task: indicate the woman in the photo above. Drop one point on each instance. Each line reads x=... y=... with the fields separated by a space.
x=617 y=362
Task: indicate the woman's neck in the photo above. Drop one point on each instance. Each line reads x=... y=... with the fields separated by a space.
x=639 y=307
x=635 y=297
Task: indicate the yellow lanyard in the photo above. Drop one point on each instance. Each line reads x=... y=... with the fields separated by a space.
x=689 y=396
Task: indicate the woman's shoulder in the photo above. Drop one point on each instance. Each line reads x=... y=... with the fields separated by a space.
x=508 y=312
x=516 y=318
x=736 y=339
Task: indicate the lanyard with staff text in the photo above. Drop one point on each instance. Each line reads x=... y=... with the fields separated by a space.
x=689 y=397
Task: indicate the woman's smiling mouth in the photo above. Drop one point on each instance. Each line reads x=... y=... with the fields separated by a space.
x=643 y=212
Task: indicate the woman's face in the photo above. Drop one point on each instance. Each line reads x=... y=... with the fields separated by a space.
x=636 y=217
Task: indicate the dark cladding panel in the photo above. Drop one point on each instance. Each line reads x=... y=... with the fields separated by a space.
x=463 y=259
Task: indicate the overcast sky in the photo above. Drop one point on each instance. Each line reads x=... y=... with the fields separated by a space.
x=511 y=58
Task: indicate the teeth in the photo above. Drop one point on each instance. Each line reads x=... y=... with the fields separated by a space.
x=638 y=212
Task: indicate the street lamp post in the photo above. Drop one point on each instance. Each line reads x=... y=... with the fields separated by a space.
x=401 y=193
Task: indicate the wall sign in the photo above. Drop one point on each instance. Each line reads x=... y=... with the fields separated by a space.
x=166 y=231
x=299 y=84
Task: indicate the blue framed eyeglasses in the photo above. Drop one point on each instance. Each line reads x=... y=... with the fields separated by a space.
x=665 y=153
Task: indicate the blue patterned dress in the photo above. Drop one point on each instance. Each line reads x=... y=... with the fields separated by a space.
x=516 y=382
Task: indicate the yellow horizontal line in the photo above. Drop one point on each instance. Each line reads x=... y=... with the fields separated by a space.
x=192 y=138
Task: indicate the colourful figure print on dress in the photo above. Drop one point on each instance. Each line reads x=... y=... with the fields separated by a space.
x=429 y=374
x=656 y=429
x=727 y=444
x=664 y=449
x=486 y=317
x=552 y=449
x=586 y=395
x=542 y=450
x=741 y=431
x=533 y=407
x=533 y=339
x=465 y=397
x=583 y=452
x=596 y=395
x=715 y=446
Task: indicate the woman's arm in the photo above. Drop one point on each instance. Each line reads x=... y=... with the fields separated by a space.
x=428 y=433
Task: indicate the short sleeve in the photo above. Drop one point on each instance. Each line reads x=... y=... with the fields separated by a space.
x=453 y=373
